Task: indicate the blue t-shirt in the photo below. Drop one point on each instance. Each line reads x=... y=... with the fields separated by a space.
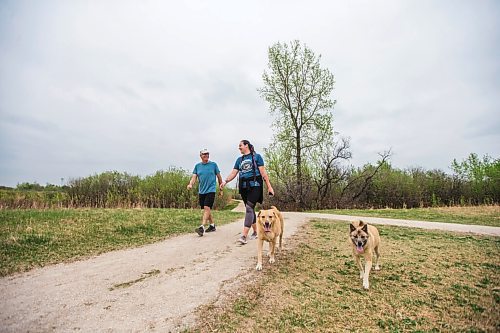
x=244 y=165
x=206 y=173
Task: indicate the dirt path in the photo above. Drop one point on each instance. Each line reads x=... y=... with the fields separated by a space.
x=152 y=288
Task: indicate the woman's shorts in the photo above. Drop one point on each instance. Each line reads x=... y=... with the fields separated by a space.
x=251 y=194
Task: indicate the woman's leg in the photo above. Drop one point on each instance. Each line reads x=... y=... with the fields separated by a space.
x=249 y=217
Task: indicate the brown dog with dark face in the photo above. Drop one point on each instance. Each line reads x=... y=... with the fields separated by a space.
x=365 y=240
x=270 y=227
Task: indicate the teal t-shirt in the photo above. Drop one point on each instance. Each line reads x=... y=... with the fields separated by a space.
x=244 y=165
x=206 y=173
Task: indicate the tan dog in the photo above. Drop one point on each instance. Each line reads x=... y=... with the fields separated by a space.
x=270 y=226
x=365 y=240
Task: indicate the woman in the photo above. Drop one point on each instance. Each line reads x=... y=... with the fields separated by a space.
x=253 y=174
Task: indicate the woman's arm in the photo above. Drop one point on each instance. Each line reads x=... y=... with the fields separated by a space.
x=265 y=177
x=231 y=176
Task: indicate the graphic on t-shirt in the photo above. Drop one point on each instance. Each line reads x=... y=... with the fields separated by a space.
x=246 y=166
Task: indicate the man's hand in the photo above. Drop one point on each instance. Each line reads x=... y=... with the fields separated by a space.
x=189 y=186
x=221 y=186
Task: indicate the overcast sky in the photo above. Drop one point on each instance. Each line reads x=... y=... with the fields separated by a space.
x=139 y=86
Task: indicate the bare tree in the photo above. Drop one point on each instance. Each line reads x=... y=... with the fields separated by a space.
x=358 y=185
x=329 y=171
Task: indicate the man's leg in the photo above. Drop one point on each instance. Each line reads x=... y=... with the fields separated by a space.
x=201 y=229
x=209 y=202
x=206 y=215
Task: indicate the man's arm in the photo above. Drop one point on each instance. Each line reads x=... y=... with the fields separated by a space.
x=191 y=182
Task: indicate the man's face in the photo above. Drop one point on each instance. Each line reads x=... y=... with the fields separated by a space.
x=204 y=157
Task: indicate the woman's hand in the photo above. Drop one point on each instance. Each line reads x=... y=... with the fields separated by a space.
x=270 y=190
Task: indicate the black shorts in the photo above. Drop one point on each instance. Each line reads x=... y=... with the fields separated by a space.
x=207 y=199
x=251 y=194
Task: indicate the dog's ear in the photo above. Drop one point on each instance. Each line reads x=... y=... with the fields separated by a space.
x=352 y=227
x=365 y=228
x=258 y=214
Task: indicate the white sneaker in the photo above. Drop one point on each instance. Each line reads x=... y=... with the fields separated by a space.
x=242 y=240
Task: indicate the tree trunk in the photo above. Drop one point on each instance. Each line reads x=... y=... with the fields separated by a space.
x=300 y=200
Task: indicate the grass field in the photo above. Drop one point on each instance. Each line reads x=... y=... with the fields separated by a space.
x=35 y=238
x=430 y=282
x=479 y=215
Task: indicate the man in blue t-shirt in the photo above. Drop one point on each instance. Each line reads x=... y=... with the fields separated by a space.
x=205 y=171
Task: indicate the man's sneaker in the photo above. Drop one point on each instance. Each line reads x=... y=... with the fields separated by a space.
x=200 y=231
x=210 y=228
x=242 y=240
x=253 y=236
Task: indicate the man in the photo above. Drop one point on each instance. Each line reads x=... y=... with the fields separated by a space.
x=205 y=171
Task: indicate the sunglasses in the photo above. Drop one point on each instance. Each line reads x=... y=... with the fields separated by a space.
x=205 y=154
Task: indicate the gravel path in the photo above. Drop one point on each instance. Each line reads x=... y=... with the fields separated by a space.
x=154 y=288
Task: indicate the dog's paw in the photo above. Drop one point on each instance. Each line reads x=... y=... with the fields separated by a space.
x=271 y=260
x=361 y=275
x=377 y=268
x=366 y=285
x=258 y=267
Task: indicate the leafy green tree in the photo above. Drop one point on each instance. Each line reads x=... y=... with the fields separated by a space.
x=483 y=176
x=298 y=91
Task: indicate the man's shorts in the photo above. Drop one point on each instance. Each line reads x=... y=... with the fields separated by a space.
x=207 y=199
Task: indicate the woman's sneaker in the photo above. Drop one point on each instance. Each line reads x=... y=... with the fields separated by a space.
x=242 y=240
x=210 y=228
x=253 y=236
x=200 y=231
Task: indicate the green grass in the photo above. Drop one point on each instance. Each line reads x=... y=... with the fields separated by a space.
x=429 y=282
x=479 y=215
x=231 y=205
x=35 y=238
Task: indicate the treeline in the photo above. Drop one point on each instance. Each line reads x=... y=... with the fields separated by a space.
x=474 y=181
x=327 y=184
x=164 y=189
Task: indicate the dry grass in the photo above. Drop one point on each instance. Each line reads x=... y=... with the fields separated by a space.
x=479 y=215
x=430 y=282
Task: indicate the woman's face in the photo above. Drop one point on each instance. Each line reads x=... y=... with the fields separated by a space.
x=243 y=148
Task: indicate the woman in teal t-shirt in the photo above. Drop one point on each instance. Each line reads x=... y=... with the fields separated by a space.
x=250 y=167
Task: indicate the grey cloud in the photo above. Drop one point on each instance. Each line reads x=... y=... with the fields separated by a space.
x=93 y=86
